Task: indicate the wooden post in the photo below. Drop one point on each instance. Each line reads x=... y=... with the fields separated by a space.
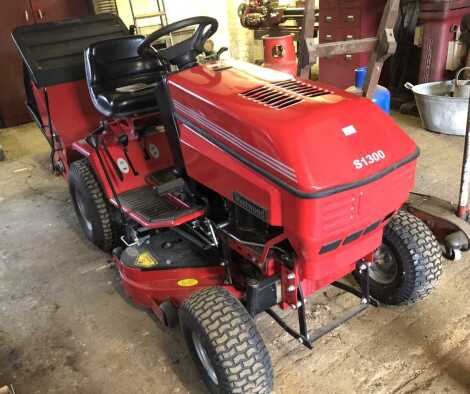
x=308 y=31
x=385 y=47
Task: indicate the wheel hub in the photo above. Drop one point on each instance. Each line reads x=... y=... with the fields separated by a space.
x=204 y=358
x=385 y=267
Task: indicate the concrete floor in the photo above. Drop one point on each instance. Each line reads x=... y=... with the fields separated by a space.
x=65 y=326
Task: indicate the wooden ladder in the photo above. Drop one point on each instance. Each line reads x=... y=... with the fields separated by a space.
x=159 y=13
x=382 y=46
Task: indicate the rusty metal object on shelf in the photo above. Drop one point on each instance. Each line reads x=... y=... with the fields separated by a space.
x=259 y=13
x=264 y=14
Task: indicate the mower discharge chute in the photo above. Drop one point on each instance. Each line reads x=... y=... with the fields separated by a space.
x=224 y=189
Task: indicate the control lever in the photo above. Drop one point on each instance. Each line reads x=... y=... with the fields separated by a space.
x=94 y=141
x=220 y=52
x=215 y=55
x=123 y=140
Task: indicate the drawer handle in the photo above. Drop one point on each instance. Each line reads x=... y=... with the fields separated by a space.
x=348 y=57
x=349 y=37
x=329 y=18
x=329 y=37
x=350 y=18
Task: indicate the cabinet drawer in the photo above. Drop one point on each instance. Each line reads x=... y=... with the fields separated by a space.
x=350 y=17
x=329 y=33
x=352 y=60
x=328 y=17
x=337 y=72
x=351 y=33
x=324 y=4
x=341 y=62
x=349 y=3
x=326 y=37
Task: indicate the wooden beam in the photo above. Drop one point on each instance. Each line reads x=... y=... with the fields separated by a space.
x=339 y=48
x=386 y=47
x=308 y=31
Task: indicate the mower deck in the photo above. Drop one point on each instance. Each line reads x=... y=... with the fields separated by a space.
x=167 y=250
x=440 y=216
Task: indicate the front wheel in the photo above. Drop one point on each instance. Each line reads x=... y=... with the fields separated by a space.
x=225 y=344
x=408 y=265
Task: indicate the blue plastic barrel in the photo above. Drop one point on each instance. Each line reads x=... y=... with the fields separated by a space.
x=381 y=95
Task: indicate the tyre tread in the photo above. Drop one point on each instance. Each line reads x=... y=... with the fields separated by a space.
x=240 y=351
x=413 y=239
x=83 y=172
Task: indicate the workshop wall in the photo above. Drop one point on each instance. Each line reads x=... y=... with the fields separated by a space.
x=231 y=34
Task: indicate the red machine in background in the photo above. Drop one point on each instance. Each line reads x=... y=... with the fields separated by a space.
x=279 y=53
x=440 y=21
x=224 y=189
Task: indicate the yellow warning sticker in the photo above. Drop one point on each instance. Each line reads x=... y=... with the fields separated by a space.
x=146 y=260
x=188 y=282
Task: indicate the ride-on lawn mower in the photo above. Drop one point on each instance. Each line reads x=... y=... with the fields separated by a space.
x=224 y=189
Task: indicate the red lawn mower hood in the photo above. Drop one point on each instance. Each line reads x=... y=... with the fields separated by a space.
x=313 y=137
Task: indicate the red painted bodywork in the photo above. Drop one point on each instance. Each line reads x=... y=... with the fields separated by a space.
x=305 y=147
x=73 y=118
x=272 y=157
x=72 y=112
x=151 y=288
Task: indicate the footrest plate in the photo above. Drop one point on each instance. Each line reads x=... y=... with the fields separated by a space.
x=152 y=208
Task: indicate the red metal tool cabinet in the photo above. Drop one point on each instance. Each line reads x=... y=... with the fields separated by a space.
x=346 y=20
x=440 y=19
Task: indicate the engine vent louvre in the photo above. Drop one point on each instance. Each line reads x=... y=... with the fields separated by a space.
x=272 y=97
x=302 y=88
x=280 y=95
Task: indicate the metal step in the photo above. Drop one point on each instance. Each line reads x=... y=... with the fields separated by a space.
x=149 y=15
x=151 y=207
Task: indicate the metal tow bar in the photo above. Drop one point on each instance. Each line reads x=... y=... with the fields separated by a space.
x=307 y=339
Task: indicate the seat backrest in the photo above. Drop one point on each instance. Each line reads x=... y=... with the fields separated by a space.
x=116 y=62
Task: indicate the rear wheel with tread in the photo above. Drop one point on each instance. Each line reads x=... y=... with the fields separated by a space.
x=91 y=207
x=225 y=344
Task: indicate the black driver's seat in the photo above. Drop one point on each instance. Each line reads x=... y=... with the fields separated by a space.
x=120 y=81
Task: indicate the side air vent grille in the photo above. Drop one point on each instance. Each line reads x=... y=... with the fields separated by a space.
x=280 y=95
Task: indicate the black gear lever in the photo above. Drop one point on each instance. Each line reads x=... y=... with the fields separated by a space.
x=123 y=140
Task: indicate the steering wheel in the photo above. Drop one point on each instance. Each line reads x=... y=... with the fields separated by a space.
x=184 y=53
